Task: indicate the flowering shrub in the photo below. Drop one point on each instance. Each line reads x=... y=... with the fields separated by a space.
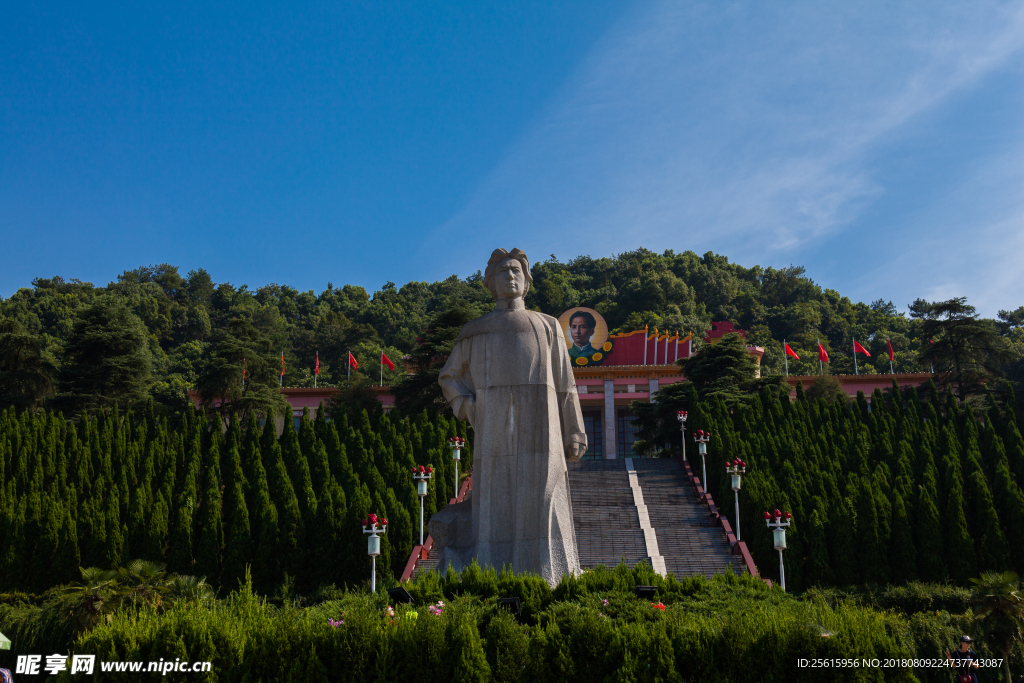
x=437 y=609
x=660 y=606
x=337 y=622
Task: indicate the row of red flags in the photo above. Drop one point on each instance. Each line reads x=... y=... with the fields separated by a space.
x=823 y=354
x=384 y=360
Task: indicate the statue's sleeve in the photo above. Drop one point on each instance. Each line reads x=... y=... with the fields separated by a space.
x=457 y=384
x=573 y=432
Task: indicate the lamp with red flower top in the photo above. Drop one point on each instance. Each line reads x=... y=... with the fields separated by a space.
x=736 y=468
x=778 y=527
x=374 y=526
x=681 y=416
x=702 y=437
x=457 y=445
x=422 y=475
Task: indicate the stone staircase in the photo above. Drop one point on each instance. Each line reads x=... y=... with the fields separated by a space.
x=609 y=527
x=686 y=539
x=604 y=514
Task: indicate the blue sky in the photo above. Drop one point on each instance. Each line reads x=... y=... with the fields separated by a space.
x=880 y=145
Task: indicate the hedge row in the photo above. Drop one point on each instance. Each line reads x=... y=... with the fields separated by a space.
x=588 y=629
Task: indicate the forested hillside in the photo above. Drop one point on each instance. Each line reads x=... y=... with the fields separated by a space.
x=154 y=333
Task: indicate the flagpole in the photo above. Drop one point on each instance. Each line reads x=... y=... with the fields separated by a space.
x=891 y=371
x=821 y=366
x=785 y=356
x=349 y=365
x=855 y=370
x=382 y=367
x=645 y=344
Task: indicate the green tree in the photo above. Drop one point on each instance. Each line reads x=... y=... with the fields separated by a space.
x=26 y=375
x=725 y=371
x=931 y=566
x=420 y=390
x=826 y=388
x=107 y=361
x=965 y=351
x=241 y=349
x=902 y=553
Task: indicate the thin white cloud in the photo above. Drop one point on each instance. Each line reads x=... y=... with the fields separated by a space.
x=747 y=128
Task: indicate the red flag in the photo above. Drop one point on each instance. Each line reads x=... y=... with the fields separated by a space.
x=891 y=354
x=791 y=352
x=822 y=353
x=282 y=363
x=243 y=371
x=317 y=371
x=386 y=361
x=857 y=348
x=352 y=361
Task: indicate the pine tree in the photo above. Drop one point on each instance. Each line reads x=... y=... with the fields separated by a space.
x=842 y=526
x=993 y=553
x=263 y=522
x=930 y=557
x=1011 y=513
x=238 y=550
x=209 y=533
x=820 y=570
x=962 y=560
x=1014 y=445
x=902 y=553
x=291 y=532
x=873 y=564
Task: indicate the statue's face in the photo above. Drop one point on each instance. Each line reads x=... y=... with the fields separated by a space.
x=509 y=279
x=580 y=331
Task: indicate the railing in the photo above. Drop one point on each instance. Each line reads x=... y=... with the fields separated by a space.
x=717 y=519
x=422 y=552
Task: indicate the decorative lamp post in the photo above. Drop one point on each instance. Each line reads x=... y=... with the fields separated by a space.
x=736 y=468
x=370 y=526
x=457 y=445
x=681 y=416
x=702 y=438
x=422 y=476
x=777 y=526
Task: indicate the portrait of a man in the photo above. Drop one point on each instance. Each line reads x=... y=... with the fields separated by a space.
x=581 y=328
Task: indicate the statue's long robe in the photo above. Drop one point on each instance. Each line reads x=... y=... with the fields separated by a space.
x=510 y=376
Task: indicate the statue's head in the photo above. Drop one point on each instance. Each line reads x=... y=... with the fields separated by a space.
x=508 y=274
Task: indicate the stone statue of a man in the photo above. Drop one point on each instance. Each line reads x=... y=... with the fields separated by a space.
x=510 y=376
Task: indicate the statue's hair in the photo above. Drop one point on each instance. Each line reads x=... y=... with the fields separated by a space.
x=499 y=255
x=591 y=320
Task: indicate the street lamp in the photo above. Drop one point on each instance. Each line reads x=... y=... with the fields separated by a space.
x=371 y=527
x=422 y=475
x=702 y=438
x=681 y=416
x=736 y=468
x=457 y=445
x=778 y=530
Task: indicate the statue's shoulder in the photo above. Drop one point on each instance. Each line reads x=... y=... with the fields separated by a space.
x=545 y=319
x=476 y=326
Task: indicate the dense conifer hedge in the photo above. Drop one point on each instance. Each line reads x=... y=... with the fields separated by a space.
x=903 y=487
x=586 y=630
x=111 y=487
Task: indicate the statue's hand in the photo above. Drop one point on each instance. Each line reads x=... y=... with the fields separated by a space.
x=576 y=451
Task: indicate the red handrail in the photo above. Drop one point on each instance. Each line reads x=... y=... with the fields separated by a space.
x=422 y=552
